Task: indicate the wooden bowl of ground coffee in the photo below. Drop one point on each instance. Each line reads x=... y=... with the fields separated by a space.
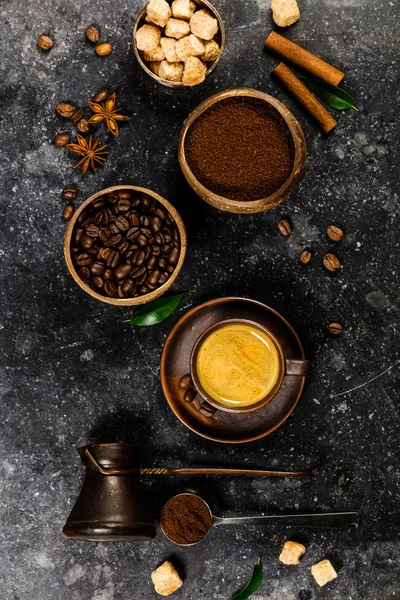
x=242 y=151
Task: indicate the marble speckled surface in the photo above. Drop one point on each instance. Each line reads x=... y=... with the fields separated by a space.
x=73 y=372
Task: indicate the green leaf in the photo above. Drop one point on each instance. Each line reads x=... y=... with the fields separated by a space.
x=156 y=311
x=333 y=95
x=253 y=584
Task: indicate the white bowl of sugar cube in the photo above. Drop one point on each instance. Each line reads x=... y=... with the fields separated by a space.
x=179 y=43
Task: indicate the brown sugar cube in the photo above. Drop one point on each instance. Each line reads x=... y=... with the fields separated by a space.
x=323 y=572
x=203 y=25
x=158 y=12
x=148 y=38
x=291 y=552
x=194 y=72
x=157 y=54
x=183 y=9
x=189 y=46
x=168 y=45
x=176 y=28
x=171 y=71
x=154 y=66
x=211 y=51
x=166 y=579
x=285 y=12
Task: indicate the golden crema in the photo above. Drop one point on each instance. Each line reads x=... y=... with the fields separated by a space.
x=238 y=365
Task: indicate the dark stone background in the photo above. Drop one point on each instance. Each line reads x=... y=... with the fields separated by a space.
x=72 y=372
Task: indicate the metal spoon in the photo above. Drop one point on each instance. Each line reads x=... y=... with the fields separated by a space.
x=322 y=520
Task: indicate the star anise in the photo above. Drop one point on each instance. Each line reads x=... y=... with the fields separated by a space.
x=106 y=111
x=90 y=151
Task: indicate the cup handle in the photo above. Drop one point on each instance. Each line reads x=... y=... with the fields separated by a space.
x=297 y=367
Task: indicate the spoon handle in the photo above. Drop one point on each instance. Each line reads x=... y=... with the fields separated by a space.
x=221 y=471
x=325 y=520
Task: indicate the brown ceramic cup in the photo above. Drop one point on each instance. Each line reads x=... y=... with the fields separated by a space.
x=246 y=206
x=219 y=38
x=145 y=297
x=298 y=368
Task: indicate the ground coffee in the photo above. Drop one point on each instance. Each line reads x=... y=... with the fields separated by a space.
x=186 y=519
x=240 y=148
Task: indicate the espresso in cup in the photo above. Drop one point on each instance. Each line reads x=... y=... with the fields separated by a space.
x=238 y=364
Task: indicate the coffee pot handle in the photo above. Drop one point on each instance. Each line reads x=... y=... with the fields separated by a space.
x=104 y=470
x=297 y=367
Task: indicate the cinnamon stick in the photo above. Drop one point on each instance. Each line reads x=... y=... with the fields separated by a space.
x=302 y=58
x=305 y=97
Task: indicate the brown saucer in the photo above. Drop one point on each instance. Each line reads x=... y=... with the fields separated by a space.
x=175 y=362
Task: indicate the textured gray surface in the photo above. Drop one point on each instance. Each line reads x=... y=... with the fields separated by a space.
x=72 y=372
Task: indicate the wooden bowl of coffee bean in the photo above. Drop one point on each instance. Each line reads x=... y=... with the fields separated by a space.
x=242 y=151
x=125 y=245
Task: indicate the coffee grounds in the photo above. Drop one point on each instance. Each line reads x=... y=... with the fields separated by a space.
x=186 y=519
x=240 y=148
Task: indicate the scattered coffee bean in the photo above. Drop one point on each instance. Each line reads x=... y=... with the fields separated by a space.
x=284 y=227
x=101 y=95
x=65 y=110
x=77 y=115
x=305 y=257
x=83 y=126
x=331 y=262
x=62 y=139
x=190 y=395
x=335 y=328
x=104 y=49
x=334 y=233
x=207 y=410
x=92 y=34
x=185 y=382
x=115 y=240
x=68 y=212
x=69 y=193
x=45 y=43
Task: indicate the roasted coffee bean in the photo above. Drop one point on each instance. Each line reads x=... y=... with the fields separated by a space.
x=144 y=221
x=153 y=278
x=99 y=202
x=126 y=194
x=142 y=240
x=110 y=288
x=93 y=35
x=120 y=292
x=77 y=115
x=84 y=273
x=105 y=252
x=112 y=259
x=143 y=289
x=159 y=239
x=68 y=212
x=132 y=233
x=207 y=410
x=189 y=395
x=146 y=231
x=167 y=238
x=62 y=139
x=156 y=250
x=97 y=268
x=97 y=218
x=141 y=279
x=134 y=219
x=65 y=110
x=146 y=202
x=108 y=274
x=128 y=286
x=83 y=126
x=123 y=247
x=98 y=281
x=69 y=193
x=101 y=95
x=163 y=278
x=284 y=227
x=104 y=49
x=123 y=271
x=162 y=263
x=122 y=223
x=334 y=233
x=114 y=240
x=175 y=234
x=305 y=257
x=123 y=204
x=84 y=259
x=136 y=202
x=139 y=257
x=161 y=212
x=151 y=262
x=77 y=235
x=331 y=262
x=185 y=382
x=335 y=328
x=86 y=242
x=92 y=230
x=93 y=250
x=170 y=268
x=165 y=248
x=45 y=43
x=138 y=272
x=156 y=224
x=173 y=256
x=114 y=228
